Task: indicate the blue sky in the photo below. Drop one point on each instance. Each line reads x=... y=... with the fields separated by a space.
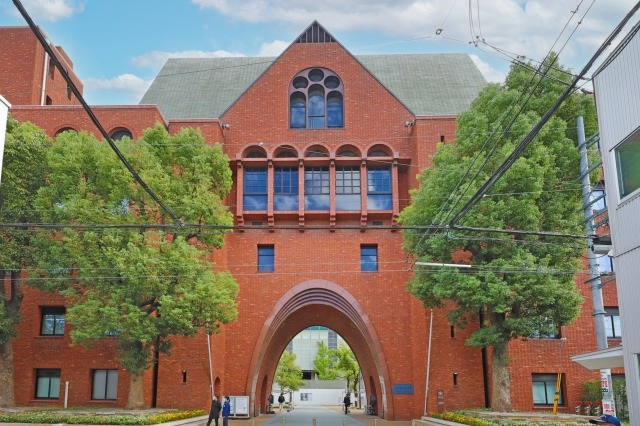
x=118 y=46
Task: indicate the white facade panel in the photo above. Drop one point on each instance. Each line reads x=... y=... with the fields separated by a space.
x=617 y=89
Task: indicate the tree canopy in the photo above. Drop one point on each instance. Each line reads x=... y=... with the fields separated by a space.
x=23 y=172
x=324 y=362
x=521 y=285
x=347 y=365
x=288 y=374
x=131 y=280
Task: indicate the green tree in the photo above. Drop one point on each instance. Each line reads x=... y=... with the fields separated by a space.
x=323 y=363
x=141 y=284
x=288 y=374
x=538 y=193
x=23 y=172
x=347 y=365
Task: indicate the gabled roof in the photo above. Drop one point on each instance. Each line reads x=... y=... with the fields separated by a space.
x=427 y=84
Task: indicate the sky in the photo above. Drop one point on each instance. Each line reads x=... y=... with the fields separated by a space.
x=118 y=46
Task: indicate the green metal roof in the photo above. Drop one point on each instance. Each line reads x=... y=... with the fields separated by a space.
x=427 y=84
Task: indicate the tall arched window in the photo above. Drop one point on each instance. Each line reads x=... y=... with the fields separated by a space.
x=316 y=100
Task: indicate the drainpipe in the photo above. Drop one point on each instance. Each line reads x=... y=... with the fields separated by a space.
x=44 y=78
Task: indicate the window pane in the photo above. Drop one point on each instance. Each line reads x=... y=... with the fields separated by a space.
x=112 y=384
x=285 y=202
x=348 y=202
x=368 y=258
x=539 y=393
x=600 y=204
x=628 y=166
x=52 y=321
x=255 y=188
x=266 y=259
x=316 y=202
x=379 y=202
x=379 y=180
x=48 y=384
x=334 y=110
x=255 y=202
x=604 y=264
x=99 y=384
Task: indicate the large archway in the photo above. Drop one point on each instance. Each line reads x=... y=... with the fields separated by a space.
x=318 y=302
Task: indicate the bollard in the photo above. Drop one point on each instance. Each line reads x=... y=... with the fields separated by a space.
x=375 y=422
x=283 y=421
x=314 y=422
x=253 y=422
x=344 y=422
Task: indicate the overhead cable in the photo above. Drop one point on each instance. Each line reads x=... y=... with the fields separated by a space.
x=502 y=169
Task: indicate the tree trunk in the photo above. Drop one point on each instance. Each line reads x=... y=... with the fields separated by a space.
x=7 y=398
x=136 y=391
x=501 y=381
x=13 y=304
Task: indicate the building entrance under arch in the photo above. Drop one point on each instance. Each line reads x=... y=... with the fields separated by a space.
x=314 y=303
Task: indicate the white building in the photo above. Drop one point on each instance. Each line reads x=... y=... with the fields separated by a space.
x=617 y=94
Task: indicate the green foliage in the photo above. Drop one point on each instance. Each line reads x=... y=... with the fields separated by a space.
x=620 y=398
x=323 y=363
x=347 y=364
x=52 y=417
x=537 y=193
x=23 y=172
x=288 y=374
x=143 y=284
x=591 y=391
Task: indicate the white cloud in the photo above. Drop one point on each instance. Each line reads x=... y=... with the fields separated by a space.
x=274 y=48
x=491 y=74
x=502 y=28
x=129 y=84
x=157 y=58
x=51 y=10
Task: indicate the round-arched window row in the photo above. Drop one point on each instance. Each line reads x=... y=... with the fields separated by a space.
x=316 y=100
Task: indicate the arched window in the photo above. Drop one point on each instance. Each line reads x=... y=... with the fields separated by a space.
x=316 y=100
x=256 y=154
x=118 y=134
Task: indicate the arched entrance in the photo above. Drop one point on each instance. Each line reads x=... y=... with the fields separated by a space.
x=318 y=302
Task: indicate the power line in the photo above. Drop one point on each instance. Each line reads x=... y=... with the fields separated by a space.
x=502 y=169
x=86 y=107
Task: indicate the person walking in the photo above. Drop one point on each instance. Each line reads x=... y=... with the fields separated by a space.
x=281 y=401
x=226 y=410
x=347 y=402
x=270 y=403
x=214 y=413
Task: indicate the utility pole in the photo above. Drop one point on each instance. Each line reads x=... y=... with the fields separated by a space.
x=594 y=273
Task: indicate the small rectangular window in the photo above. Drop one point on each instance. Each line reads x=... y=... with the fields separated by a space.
x=266 y=259
x=544 y=389
x=47 y=383
x=612 y=323
x=52 y=321
x=369 y=258
x=627 y=156
x=104 y=384
x=255 y=188
x=51 y=68
x=69 y=92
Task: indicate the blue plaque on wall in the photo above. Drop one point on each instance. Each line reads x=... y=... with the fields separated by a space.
x=403 y=389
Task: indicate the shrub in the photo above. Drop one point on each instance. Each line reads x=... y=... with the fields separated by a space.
x=96 y=419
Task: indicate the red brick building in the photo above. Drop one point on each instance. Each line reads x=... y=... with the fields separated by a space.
x=324 y=147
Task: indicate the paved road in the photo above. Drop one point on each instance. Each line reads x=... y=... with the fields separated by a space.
x=304 y=416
